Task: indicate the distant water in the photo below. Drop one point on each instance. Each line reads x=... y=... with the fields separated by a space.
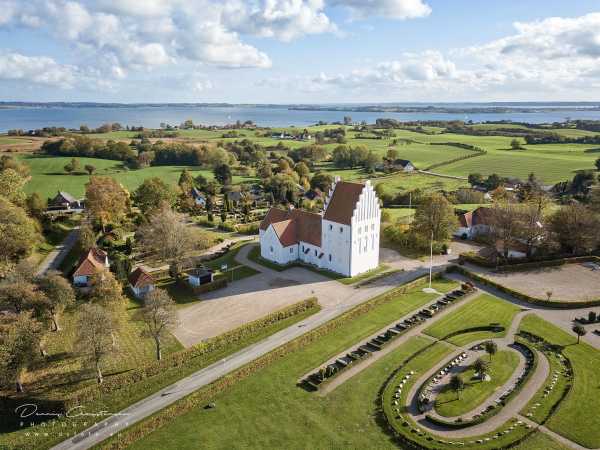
x=151 y=116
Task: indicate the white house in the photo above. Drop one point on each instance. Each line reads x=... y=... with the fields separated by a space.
x=199 y=197
x=141 y=282
x=344 y=238
x=94 y=261
x=199 y=276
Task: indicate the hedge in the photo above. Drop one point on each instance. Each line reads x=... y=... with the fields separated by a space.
x=203 y=395
x=477 y=151
x=558 y=304
x=519 y=264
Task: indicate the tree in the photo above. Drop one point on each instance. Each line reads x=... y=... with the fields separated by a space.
x=575 y=228
x=371 y=161
x=321 y=181
x=515 y=144
x=457 y=385
x=72 y=166
x=223 y=174
x=168 y=237
x=152 y=194
x=18 y=233
x=105 y=199
x=59 y=295
x=491 y=348
x=106 y=291
x=264 y=169
x=186 y=181
x=11 y=186
x=302 y=170
x=579 y=331
x=36 y=205
x=87 y=237
x=19 y=295
x=392 y=154
x=19 y=347
x=89 y=169
x=505 y=223
x=530 y=229
x=481 y=367
x=10 y=162
x=435 y=215
x=475 y=179
x=95 y=336
x=159 y=315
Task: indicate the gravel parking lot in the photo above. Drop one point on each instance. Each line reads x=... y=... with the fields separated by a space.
x=571 y=282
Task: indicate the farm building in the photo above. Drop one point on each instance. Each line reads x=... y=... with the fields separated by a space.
x=94 y=261
x=344 y=238
x=64 y=200
x=141 y=282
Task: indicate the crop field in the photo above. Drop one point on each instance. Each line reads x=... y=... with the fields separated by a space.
x=48 y=175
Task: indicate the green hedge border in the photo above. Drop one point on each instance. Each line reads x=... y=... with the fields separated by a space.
x=558 y=304
x=138 y=430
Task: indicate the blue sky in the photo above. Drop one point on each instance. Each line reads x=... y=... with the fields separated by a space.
x=300 y=51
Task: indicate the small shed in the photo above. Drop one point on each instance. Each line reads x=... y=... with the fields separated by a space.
x=199 y=276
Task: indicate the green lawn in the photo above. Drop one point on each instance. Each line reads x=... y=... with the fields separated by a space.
x=408 y=182
x=502 y=366
x=285 y=416
x=577 y=416
x=48 y=175
x=539 y=441
x=484 y=310
x=235 y=270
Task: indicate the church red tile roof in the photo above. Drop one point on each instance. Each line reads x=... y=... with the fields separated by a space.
x=293 y=226
x=343 y=202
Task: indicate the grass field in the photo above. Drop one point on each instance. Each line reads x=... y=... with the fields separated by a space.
x=501 y=368
x=285 y=416
x=408 y=182
x=484 y=310
x=576 y=418
x=48 y=175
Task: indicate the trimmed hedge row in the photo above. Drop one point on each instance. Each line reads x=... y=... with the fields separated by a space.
x=209 y=287
x=477 y=151
x=203 y=395
x=521 y=264
x=558 y=304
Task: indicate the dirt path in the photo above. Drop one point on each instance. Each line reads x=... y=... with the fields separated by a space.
x=60 y=252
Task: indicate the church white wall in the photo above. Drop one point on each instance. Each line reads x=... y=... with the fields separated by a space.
x=271 y=248
x=336 y=242
x=365 y=232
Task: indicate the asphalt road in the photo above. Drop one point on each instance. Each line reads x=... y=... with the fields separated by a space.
x=56 y=256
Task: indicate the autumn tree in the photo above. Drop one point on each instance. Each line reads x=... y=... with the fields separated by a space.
x=159 y=315
x=186 y=181
x=11 y=186
x=59 y=295
x=19 y=347
x=168 y=237
x=18 y=233
x=36 y=205
x=435 y=217
x=89 y=169
x=87 y=236
x=106 y=200
x=95 y=333
x=106 y=291
x=505 y=222
x=72 y=166
x=152 y=194
x=576 y=229
x=19 y=295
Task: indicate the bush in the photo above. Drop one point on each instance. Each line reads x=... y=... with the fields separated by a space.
x=227 y=226
x=248 y=228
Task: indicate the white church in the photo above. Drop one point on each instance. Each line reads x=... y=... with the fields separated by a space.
x=344 y=238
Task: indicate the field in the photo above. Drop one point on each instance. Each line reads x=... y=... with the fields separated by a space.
x=576 y=418
x=48 y=175
x=501 y=368
x=484 y=310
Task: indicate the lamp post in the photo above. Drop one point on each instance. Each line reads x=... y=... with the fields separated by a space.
x=429 y=289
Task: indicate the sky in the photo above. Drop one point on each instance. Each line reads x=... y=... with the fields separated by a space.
x=299 y=51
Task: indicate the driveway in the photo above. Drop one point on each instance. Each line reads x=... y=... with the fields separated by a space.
x=254 y=297
x=56 y=256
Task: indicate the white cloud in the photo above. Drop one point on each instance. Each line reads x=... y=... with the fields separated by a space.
x=37 y=69
x=395 y=9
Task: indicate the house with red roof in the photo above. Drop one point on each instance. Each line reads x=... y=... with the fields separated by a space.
x=141 y=282
x=343 y=238
x=94 y=261
x=474 y=223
